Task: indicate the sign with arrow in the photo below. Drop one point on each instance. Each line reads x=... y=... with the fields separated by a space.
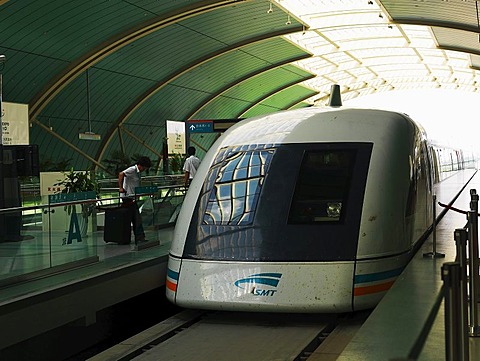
x=200 y=126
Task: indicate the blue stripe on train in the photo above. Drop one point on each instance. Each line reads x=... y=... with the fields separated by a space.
x=172 y=274
x=377 y=276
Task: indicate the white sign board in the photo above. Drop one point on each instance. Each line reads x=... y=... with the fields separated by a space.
x=58 y=220
x=15 y=127
x=176 y=137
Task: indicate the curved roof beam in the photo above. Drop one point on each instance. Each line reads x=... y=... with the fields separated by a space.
x=76 y=149
x=245 y=78
x=436 y=23
x=268 y=95
x=387 y=78
x=459 y=49
x=153 y=90
x=297 y=102
x=41 y=100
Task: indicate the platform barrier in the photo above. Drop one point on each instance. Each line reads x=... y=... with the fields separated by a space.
x=434 y=253
x=460 y=288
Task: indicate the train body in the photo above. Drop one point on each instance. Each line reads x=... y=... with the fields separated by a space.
x=311 y=210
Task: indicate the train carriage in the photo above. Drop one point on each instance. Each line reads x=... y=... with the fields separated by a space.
x=311 y=210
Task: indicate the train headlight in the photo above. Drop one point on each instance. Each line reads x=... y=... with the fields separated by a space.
x=334 y=209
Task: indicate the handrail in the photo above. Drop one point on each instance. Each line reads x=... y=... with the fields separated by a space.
x=39 y=206
x=84 y=201
x=113 y=189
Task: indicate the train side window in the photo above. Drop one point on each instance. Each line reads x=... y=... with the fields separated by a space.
x=322 y=187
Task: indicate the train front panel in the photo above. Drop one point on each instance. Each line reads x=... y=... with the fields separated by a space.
x=256 y=225
x=261 y=287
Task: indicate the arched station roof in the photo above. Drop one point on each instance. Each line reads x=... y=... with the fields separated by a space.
x=122 y=68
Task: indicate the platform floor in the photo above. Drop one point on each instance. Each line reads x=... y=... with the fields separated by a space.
x=26 y=306
x=396 y=328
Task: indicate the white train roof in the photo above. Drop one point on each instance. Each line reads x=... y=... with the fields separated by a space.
x=337 y=124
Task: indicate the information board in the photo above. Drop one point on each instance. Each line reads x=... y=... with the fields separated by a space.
x=15 y=127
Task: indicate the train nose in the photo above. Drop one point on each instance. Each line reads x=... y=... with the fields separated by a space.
x=270 y=287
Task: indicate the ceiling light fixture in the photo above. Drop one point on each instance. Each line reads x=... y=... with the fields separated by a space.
x=88 y=135
x=288 y=20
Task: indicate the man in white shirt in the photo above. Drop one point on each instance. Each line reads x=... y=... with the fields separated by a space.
x=191 y=165
x=128 y=180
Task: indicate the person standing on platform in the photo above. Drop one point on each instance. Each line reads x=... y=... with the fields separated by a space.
x=191 y=165
x=128 y=180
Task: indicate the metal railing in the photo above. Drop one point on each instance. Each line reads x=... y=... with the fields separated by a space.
x=461 y=286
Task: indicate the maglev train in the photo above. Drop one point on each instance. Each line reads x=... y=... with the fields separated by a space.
x=310 y=210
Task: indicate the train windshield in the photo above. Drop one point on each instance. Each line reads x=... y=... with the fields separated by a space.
x=322 y=187
x=288 y=202
x=236 y=189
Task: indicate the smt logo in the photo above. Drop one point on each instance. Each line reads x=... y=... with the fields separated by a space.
x=270 y=280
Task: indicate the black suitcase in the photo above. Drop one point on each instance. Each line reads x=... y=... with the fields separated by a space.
x=118 y=227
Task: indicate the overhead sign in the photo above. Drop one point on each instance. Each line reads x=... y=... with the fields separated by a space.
x=200 y=126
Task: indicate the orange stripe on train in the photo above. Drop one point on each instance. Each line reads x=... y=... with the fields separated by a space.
x=171 y=286
x=362 y=291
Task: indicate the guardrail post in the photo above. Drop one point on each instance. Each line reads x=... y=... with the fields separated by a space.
x=461 y=245
x=454 y=348
x=472 y=217
x=434 y=253
x=474 y=200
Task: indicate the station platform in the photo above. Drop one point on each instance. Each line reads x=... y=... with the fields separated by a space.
x=408 y=324
x=400 y=327
x=33 y=307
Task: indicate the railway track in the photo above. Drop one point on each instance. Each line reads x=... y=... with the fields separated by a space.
x=199 y=335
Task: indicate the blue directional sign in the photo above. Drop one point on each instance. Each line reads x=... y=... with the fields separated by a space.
x=71 y=197
x=146 y=190
x=200 y=126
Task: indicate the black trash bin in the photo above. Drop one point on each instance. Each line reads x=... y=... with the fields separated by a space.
x=118 y=226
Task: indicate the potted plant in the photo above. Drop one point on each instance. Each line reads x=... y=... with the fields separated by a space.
x=176 y=163
x=75 y=182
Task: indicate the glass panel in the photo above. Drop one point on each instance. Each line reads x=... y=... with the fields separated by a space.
x=224 y=192
x=40 y=238
x=239 y=189
x=70 y=226
x=24 y=248
x=241 y=173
